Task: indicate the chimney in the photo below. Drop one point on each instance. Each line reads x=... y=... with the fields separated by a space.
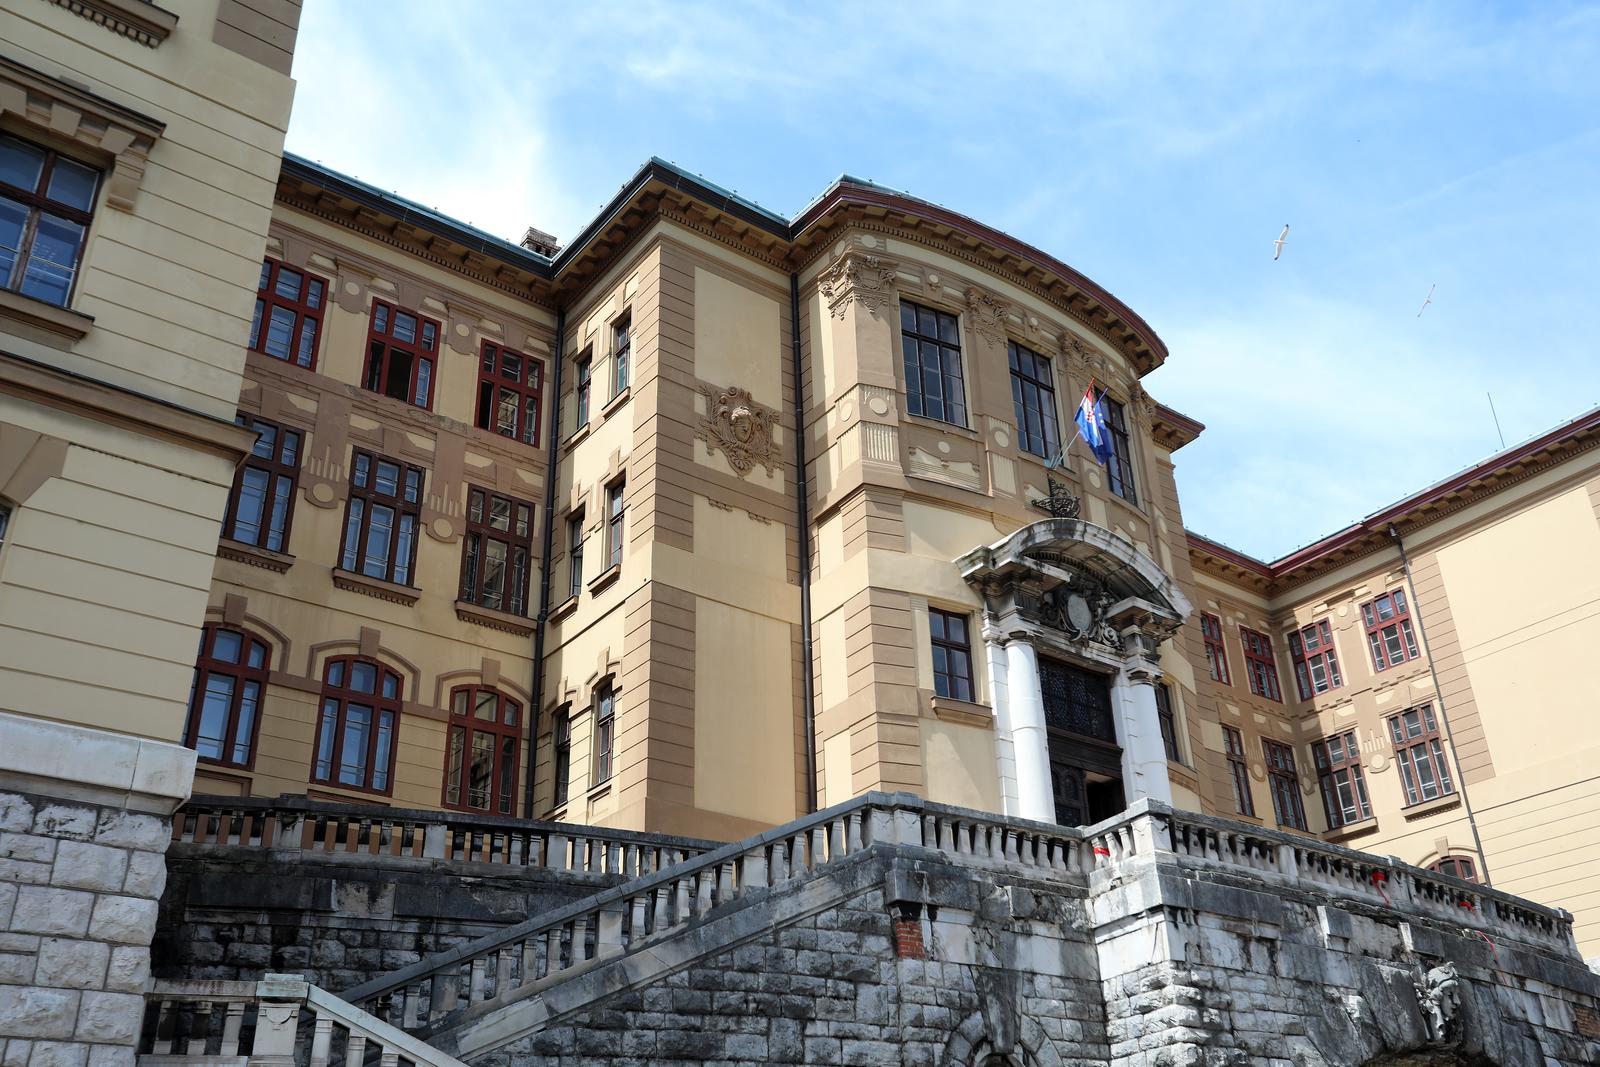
x=545 y=244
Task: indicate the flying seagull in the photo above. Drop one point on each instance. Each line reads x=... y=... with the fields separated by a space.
x=1428 y=301
x=1277 y=246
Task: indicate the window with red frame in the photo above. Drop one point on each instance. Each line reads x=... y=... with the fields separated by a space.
x=382 y=518
x=509 y=388
x=480 y=769
x=357 y=725
x=1259 y=665
x=401 y=349
x=1388 y=621
x=1238 y=771
x=46 y=205
x=288 y=317
x=1460 y=867
x=230 y=680
x=1419 y=753
x=261 y=505
x=1344 y=788
x=1216 y=651
x=494 y=554
x=1284 y=782
x=1316 y=663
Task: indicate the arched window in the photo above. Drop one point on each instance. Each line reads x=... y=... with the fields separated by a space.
x=480 y=758
x=561 y=745
x=357 y=725
x=230 y=678
x=1461 y=867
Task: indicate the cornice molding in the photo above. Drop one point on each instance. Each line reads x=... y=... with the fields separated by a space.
x=136 y=19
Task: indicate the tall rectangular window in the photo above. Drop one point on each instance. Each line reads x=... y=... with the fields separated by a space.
x=1119 y=467
x=575 y=554
x=496 y=550
x=1316 y=662
x=5 y=521
x=46 y=205
x=381 y=520
x=1419 y=753
x=1388 y=622
x=1344 y=789
x=1033 y=395
x=230 y=681
x=1238 y=771
x=584 y=387
x=1284 y=782
x=401 y=349
x=261 y=504
x=1168 y=722
x=356 y=725
x=952 y=654
x=605 y=727
x=1216 y=651
x=930 y=343
x=622 y=353
x=614 y=506
x=1259 y=665
x=480 y=766
x=510 y=386
x=561 y=757
x=288 y=316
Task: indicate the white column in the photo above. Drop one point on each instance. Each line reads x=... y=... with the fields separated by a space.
x=1030 y=745
x=1144 y=757
x=1005 y=760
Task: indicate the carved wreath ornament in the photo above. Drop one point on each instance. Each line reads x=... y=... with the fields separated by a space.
x=741 y=428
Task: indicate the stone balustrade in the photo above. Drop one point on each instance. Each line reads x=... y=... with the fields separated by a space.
x=280 y=1020
x=290 y=824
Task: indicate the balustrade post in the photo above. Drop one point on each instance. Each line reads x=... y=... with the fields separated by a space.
x=556 y=852
x=277 y=1020
x=608 y=941
x=752 y=869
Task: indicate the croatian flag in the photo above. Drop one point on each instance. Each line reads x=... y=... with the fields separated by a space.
x=1091 y=420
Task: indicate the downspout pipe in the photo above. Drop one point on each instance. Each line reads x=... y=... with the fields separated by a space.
x=802 y=490
x=1438 y=694
x=548 y=542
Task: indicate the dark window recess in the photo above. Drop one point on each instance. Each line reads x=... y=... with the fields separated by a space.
x=1344 y=787
x=1076 y=700
x=381 y=520
x=288 y=318
x=1169 y=726
x=5 y=521
x=357 y=724
x=952 y=654
x=584 y=387
x=510 y=387
x=561 y=757
x=261 y=503
x=605 y=729
x=1259 y=665
x=480 y=768
x=1033 y=395
x=230 y=682
x=621 y=354
x=1316 y=662
x=401 y=349
x=575 y=555
x=1216 y=651
x=1238 y=771
x=1419 y=753
x=46 y=205
x=930 y=344
x=1389 y=634
x=1284 y=782
x=1119 y=467
x=614 y=516
x=1460 y=867
x=496 y=550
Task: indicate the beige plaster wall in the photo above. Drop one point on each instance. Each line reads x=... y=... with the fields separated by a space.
x=744 y=714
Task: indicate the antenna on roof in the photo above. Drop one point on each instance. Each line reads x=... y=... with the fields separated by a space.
x=1496 y=420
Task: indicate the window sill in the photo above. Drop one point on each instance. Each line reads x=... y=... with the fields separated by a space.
x=1352 y=830
x=565 y=608
x=965 y=712
x=265 y=558
x=504 y=621
x=375 y=587
x=1424 y=808
x=605 y=578
x=577 y=435
x=615 y=402
x=42 y=315
x=948 y=427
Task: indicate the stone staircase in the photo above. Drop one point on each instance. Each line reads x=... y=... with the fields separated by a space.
x=475 y=1001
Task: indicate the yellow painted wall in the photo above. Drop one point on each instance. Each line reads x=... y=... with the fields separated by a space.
x=744 y=714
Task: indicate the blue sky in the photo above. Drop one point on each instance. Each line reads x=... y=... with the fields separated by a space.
x=1157 y=148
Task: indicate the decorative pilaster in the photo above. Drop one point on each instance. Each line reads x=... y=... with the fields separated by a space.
x=857 y=277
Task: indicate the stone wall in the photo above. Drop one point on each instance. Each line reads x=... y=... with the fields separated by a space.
x=79 y=884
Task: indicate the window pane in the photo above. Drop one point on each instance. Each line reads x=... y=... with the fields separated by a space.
x=391 y=686
x=280 y=333
x=380 y=531
x=280 y=514
x=494 y=574
x=72 y=184
x=388 y=479
x=405 y=326
x=452 y=762
x=226 y=645
x=363 y=677
x=380 y=767
x=330 y=715
x=248 y=701
x=20 y=164
x=255 y=324
x=424 y=383
x=52 y=259
x=353 y=753
x=505 y=416
x=258 y=655
x=480 y=775
x=508 y=773
x=352 y=534
x=213 y=729
x=251 y=506
x=314 y=294
x=288 y=285
x=308 y=342
x=404 y=548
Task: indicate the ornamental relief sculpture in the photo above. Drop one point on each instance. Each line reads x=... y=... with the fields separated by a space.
x=988 y=313
x=741 y=429
x=859 y=277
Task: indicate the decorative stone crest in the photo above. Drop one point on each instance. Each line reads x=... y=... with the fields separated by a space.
x=741 y=428
x=1074 y=348
x=1078 y=609
x=1060 y=502
x=1439 y=996
x=860 y=277
x=988 y=313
